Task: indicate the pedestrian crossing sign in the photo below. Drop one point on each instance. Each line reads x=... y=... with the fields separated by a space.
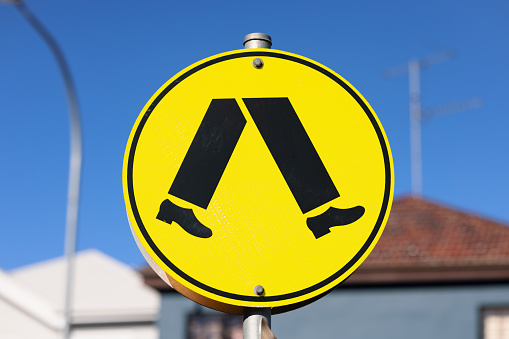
x=257 y=178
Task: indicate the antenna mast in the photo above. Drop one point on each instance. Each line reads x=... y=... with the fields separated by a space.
x=417 y=115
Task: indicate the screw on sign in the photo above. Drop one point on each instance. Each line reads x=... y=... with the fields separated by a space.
x=257 y=178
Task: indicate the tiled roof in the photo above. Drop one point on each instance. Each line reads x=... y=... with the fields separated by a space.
x=421 y=233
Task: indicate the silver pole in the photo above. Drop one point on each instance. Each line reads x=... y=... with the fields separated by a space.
x=252 y=325
x=415 y=126
x=253 y=316
x=73 y=190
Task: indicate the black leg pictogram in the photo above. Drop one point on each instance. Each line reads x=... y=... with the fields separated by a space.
x=204 y=164
x=289 y=145
x=209 y=153
x=293 y=151
x=299 y=163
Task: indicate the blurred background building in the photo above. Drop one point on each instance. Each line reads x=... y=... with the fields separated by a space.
x=436 y=272
x=110 y=301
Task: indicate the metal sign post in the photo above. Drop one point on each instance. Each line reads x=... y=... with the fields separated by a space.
x=256 y=318
x=256 y=324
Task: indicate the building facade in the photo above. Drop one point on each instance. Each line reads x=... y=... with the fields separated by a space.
x=435 y=273
x=110 y=301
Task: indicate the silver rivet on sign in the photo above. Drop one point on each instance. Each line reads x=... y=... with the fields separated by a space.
x=259 y=290
x=258 y=63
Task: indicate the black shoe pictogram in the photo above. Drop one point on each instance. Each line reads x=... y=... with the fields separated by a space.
x=169 y=212
x=321 y=224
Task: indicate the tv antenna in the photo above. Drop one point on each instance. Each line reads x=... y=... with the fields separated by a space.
x=417 y=114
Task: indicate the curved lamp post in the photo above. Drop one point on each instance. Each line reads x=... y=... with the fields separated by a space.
x=75 y=157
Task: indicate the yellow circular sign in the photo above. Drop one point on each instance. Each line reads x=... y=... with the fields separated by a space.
x=257 y=178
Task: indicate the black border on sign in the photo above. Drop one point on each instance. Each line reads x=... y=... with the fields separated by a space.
x=240 y=297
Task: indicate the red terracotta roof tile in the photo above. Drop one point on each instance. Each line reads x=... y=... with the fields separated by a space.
x=424 y=234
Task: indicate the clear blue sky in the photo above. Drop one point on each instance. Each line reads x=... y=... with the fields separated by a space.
x=121 y=52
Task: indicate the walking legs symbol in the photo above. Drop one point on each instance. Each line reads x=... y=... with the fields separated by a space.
x=289 y=145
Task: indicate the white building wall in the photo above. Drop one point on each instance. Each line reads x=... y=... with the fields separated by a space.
x=16 y=324
x=110 y=301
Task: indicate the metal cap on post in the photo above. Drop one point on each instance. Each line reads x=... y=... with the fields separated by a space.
x=257 y=40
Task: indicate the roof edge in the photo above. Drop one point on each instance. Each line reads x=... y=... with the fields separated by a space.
x=95 y=318
x=391 y=276
x=420 y=275
x=449 y=206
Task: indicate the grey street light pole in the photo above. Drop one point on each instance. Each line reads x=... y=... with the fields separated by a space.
x=73 y=190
